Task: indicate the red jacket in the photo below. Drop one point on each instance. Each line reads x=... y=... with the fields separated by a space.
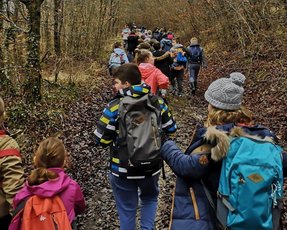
x=153 y=77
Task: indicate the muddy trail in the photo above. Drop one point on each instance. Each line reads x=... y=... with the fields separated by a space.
x=89 y=163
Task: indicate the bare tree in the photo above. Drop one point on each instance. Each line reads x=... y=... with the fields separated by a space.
x=5 y=83
x=58 y=22
x=32 y=86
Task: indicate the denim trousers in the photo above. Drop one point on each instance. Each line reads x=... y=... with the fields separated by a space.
x=193 y=72
x=128 y=194
x=177 y=80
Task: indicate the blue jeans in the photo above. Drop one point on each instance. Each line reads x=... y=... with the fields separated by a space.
x=127 y=193
x=193 y=72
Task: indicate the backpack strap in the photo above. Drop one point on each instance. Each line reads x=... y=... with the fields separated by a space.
x=20 y=207
x=219 y=224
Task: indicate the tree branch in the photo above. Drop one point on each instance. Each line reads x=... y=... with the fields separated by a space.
x=7 y=19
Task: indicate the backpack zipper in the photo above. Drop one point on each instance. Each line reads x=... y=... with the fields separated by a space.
x=194 y=203
x=54 y=222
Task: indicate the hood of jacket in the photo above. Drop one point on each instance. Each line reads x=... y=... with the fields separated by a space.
x=135 y=90
x=147 y=70
x=219 y=140
x=119 y=51
x=166 y=41
x=47 y=189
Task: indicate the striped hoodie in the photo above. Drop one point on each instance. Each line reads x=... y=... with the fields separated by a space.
x=108 y=129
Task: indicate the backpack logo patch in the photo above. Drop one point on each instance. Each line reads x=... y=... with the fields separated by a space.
x=42 y=218
x=256 y=178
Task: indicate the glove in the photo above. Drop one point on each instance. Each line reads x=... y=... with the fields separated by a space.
x=164 y=137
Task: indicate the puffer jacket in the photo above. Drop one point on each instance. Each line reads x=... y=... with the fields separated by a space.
x=12 y=172
x=201 y=163
x=108 y=129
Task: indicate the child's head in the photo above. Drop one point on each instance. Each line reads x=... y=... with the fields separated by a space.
x=2 y=111
x=225 y=97
x=51 y=153
x=194 y=41
x=117 y=45
x=156 y=46
x=127 y=75
x=144 y=56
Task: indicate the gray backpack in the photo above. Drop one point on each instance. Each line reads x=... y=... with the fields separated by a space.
x=140 y=131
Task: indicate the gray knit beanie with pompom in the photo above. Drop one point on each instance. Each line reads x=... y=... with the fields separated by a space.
x=226 y=93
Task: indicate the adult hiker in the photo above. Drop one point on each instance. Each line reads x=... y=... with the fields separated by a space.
x=196 y=60
x=201 y=170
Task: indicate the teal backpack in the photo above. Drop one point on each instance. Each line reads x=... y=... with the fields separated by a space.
x=251 y=185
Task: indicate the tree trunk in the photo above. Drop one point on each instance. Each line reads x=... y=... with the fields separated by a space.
x=5 y=83
x=58 y=22
x=2 y=67
x=32 y=86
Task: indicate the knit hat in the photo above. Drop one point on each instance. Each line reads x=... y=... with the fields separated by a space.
x=177 y=46
x=226 y=93
x=193 y=41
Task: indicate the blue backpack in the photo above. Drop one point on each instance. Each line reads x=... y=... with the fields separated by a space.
x=250 y=186
x=181 y=58
x=195 y=54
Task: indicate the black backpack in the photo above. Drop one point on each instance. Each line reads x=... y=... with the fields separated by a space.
x=140 y=131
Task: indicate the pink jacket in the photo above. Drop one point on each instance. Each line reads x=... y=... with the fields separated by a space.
x=68 y=190
x=153 y=77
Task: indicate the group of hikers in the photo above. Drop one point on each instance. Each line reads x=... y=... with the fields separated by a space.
x=229 y=177
x=170 y=58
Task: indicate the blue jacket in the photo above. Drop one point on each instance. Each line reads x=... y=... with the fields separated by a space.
x=191 y=208
x=108 y=129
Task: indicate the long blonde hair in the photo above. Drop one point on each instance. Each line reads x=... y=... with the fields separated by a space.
x=51 y=153
x=220 y=117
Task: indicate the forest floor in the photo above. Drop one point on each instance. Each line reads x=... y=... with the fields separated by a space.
x=75 y=119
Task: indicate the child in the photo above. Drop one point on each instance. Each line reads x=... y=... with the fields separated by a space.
x=127 y=180
x=177 y=67
x=202 y=161
x=117 y=57
x=150 y=74
x=48 y=179
x=179 y=59
x=11 y=171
